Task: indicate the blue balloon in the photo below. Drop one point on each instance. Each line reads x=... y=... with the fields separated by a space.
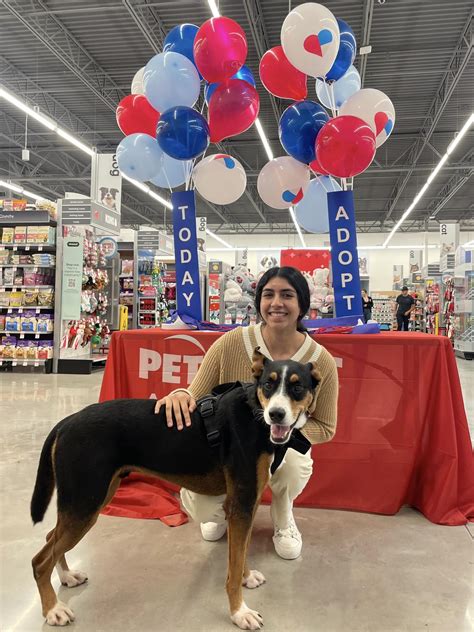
x=181 y=40
x=138 y=157
x=298 y=128
x=312 y=212
x=172 y=173
x=183 y=133
x=170 y=79
x=343 y=88
x=243 y=73
x=346 y=53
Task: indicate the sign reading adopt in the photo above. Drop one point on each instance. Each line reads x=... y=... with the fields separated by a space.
x=188 y=294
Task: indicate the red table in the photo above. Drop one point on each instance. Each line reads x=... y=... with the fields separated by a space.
x=402 y=435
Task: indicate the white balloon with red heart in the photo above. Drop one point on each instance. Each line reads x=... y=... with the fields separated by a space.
x=310 y=38
x=375 y=108
x=282 y=182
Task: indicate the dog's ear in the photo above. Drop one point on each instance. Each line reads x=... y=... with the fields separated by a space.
x=315 y=374
x=113 y=191
x=258 y=361
x=102 y=189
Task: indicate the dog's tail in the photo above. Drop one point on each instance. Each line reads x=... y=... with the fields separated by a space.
x=45 y=481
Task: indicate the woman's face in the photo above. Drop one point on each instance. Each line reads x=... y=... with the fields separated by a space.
x=279 y=304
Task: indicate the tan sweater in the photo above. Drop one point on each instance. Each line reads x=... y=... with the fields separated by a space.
x=229 y=359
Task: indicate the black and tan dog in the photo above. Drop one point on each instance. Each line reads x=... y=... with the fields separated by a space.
x=86 y=455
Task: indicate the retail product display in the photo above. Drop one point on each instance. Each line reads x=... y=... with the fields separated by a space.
x=126 y=283
x=384 y=308
x=463 y=316
x=239 y=297
x=321 y=293
x=156 y=291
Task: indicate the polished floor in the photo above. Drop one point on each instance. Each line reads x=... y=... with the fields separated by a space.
x=358 y=572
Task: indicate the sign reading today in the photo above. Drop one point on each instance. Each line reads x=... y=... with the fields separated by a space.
x=345 y=263
x=188 y=296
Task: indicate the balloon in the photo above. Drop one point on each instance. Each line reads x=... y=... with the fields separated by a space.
x=182 y=133
x=138 y=157
x=181 y=40
x=281 y=78
x=220 y=179
x=343 y=88
x=244 y=73
x=316 y=167
x=170 y=79
x=282 y=181
x=137 y=82
x=298 y=128
x=345 y=146
x=375 y=108
x=346 y=53
x=172 y=172
x=310 y=38
x=312 y=212
x=233 y=108
x=220 y=49
x=134 y=114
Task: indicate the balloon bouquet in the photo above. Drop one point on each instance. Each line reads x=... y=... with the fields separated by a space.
x=316 y=44
x=165 y=134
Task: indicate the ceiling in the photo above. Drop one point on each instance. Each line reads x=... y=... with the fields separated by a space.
x=75 y=61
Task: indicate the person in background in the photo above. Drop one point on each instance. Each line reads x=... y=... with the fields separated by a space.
x=367 y=305
x=405 y=306
x=282 y=299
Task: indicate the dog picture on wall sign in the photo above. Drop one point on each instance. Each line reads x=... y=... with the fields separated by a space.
x=228 y=449
x=108 y=197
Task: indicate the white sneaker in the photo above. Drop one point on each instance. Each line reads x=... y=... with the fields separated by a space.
x=213 y=531
x=288 y=542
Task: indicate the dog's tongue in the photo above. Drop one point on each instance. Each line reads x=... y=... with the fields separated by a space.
x=278 y=431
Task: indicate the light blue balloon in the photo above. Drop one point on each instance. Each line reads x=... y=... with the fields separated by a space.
x=138 y=157
x=172 y=173
x=170 y=79
x=343 y=88
x=312 y=212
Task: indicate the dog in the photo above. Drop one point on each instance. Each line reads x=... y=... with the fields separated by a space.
x=267 y=262
x=86 y=455
x=107 y=197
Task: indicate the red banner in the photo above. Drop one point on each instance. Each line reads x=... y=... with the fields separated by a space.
x=305 y=260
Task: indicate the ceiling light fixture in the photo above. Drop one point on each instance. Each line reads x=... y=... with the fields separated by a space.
x=298 y=230
x=219 y=239
x=431 y=177
x=18 y=189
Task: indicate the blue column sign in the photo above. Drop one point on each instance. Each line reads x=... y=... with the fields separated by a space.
x=344 y=259
x=188 y=296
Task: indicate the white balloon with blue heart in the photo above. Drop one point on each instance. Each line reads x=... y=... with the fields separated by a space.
x=220 y=179
x=312 y=212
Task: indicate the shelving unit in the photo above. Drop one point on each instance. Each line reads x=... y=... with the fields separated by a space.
x=384 y=308
x=464 y=308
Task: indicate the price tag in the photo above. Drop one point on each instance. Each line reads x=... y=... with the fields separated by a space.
x=27 y=247
x=36 y=363
x=20 y=311
x=40 y=248
x=9 y=311
x=22 y=336
x=37 y=311
x=15 y=248
x=36 y=336
x=14 y=363
x=25 y=363
x=35 y=269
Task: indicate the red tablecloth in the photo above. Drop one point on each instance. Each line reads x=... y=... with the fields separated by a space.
x=402 y=434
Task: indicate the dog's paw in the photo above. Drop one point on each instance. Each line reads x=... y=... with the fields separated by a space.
x=72 y=578
x=254 y=580
x=247 y=619
x=60 y=615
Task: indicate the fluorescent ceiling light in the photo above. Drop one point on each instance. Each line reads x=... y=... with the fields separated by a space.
x=27 y=109
x=219 y=239
x=468 y=244
x=21 y=190
x=431 y=177
x=75 y=141
x=298 y=230
x=264 y=139
x=146 y=189
x=214 y=9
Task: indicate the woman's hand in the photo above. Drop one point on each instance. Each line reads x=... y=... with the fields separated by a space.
x=182 y=404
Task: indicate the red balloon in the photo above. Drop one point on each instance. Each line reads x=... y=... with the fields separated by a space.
x=220 y=49
x=281 y=78
x=135 y=115
x=345 y=146
x=316 y=167
x=233 y=108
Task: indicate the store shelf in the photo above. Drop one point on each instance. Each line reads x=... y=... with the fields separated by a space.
x=22 y=334
x=27 y=308
x=38 y=247
x=21 y=362
x=26 y=287
x=26 y=265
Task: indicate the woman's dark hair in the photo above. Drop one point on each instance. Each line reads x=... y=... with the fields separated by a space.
x=297 y=282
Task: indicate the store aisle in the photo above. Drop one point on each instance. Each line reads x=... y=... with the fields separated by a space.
x=357 y=572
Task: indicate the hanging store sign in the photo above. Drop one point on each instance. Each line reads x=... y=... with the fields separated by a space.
x=104 y=218
x=76 y=212
x=344 y=257
x=108 y=187
x=73 y=256
x=188 y=294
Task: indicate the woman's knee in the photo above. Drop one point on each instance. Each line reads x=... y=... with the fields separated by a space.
x=202 y=508
x=293 y=474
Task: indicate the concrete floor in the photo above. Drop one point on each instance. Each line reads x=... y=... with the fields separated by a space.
x=358 y=572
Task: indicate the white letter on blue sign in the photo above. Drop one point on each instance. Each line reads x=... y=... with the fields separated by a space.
x=183 y=210
x=349 y=257
x=349 y=298
x=346 y=277
x=185 y=253
x=187 y=278
x=341 y=233
x=184 y=231
x=341 y=212
x=188 y=298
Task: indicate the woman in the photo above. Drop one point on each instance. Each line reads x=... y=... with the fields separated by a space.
x=282 y=299
x=367 y=305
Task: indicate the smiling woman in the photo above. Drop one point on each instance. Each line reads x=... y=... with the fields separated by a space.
x=282 y=299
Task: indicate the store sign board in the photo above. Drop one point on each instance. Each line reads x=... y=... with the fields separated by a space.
x=21 y=218
x=188 y=295
x=397 y=280
x=415 y=260
x=73 y=256
x=105 y=218
x=108 y=182
x=166 y=244
x=344 y=257
x=76 y=212
x=449 y=238
x=148 y=240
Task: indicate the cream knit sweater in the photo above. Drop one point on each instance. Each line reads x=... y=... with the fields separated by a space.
x=230 y=358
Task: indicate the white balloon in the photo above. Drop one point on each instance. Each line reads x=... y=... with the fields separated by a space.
x=137 y=82
x=375 y=108
x=342 y=89
x=310 y=38
x=220 y=179
x=282 y=182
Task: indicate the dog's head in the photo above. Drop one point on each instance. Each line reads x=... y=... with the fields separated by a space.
x=285 y=390
x=108 y=195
